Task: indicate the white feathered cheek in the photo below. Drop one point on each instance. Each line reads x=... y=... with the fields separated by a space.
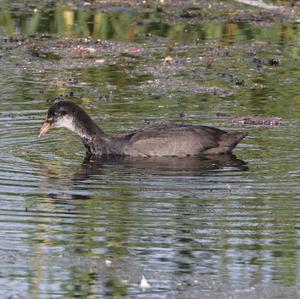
x=65 y=121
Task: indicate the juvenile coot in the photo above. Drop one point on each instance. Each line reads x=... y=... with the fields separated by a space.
x=157 y=140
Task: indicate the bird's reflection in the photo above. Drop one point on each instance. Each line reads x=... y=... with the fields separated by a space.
x=171 y=166
x=100 y=170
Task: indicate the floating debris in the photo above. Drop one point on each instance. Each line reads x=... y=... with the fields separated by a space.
x=259 y=120
x=134 y=50
x=144 y=284
x=191 y=12
x=228 y=188
x=107 y=263
x=100 y=61
x=168 y=59
x=239 y=82
x=84 y=50
x=274 y=61
x=222 y=114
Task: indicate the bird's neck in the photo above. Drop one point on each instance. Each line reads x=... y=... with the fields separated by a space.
x=86 y=128
x=93 y=138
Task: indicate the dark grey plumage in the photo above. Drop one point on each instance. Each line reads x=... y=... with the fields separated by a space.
x=157 y=140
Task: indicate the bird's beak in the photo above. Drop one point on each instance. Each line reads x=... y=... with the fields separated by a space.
x=45 y=127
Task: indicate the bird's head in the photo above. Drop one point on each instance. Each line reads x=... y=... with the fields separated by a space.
x=61 y=115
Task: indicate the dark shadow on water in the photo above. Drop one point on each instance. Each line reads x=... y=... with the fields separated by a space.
x=162 y=166
x=101 y=171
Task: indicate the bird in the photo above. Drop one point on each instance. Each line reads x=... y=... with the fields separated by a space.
x=177 y=140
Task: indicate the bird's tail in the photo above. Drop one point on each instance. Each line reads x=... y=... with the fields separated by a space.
x=231 y=139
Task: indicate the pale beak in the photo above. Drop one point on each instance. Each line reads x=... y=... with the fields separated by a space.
x=45 y=127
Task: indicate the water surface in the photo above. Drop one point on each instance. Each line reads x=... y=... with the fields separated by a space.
x=193 y=227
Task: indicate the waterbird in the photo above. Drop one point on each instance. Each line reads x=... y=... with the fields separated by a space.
x=177 y=140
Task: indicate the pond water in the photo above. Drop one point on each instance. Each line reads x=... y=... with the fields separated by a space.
x=211 y=227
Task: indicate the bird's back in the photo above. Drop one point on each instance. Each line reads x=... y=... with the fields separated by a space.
x=178 y=140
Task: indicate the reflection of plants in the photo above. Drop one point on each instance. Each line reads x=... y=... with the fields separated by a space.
x=65 y=20
x=115 y=288
x=80 y=284
x=116 y=26
x=6 y=23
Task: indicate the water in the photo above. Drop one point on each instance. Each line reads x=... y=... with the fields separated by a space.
x=193 y=227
